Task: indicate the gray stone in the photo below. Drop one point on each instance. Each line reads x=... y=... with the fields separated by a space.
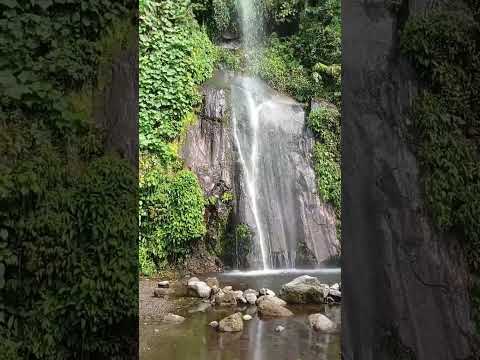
x=265 y=291
x=232 y=323
x=335 y=294
x=201 y=289
x=251 y=298
x=320 y=322
x=270 y=308
x=212 y=282
x=251 y=291
x=173 y=319
x=225 y=298
x=279 y=328
x=304 y=290
x=213 y=324
x=273 y=299
x=247 y=317
x=239 y=297
x=192 y=280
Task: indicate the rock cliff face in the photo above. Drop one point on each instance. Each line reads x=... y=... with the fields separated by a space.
x=405 y=286
x=211 y=152
x=117 y=108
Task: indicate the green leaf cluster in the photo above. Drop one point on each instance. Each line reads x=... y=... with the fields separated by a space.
x=171 y=215
x=67 y=240
x=305 y=64
x=325 y=124
x=176 y=56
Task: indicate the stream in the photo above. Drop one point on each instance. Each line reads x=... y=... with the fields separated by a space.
x=195 y=340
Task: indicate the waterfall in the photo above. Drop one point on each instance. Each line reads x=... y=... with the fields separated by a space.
x=252 y=33
x=277 y=198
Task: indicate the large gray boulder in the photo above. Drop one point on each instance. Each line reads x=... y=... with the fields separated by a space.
x=201 y=289
x=223 y=298
x=304 y=290
x=273 y=299
x=232 y=323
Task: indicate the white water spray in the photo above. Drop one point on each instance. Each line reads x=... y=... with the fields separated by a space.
x=249 y=165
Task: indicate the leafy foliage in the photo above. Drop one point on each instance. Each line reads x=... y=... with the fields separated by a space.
x=67 y=240
x=306 y=63
x=67 y=249
x=171 y=215
x=325 y=123
x=279 y=67
x=445 y=129
x=176 y=56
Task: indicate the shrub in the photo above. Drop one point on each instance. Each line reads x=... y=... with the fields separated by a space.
x=171 y=216
x=279 y=67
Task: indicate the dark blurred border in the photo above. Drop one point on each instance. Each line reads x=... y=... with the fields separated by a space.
x=68 y=179
x=410 y=175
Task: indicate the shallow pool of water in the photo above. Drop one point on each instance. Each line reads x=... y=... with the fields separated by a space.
x=195 y=340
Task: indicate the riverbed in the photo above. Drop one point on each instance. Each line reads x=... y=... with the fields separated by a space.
x=195 y=340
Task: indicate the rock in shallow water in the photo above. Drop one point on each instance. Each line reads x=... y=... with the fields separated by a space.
x=269 y=306
x=265 y=291
x=320 y=322
x=173 y=319
x=232 y=323
x=270 y=298
x=279 y=328
x=223 y=298
x=251 y=298
x=213 y=324
x=212 y=282
x=304 y=290
x=201 y=288
x=247 y=317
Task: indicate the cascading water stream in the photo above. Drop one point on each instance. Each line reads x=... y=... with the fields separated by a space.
x=276 y=189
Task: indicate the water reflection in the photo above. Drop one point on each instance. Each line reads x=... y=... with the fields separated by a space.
x=195 y=340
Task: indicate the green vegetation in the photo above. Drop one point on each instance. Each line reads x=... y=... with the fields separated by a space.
x=325 y=123
x=301 y=58
x=171 y=216
x=444 y=127
x=67 y=205
x=305 y=63
x=176 y=56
